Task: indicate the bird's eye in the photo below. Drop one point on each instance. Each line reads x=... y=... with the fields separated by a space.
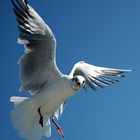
x=83 y=82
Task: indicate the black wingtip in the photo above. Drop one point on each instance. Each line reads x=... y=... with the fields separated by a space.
x=122 y=75
x=26 y=2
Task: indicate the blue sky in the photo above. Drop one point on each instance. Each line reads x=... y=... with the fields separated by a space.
x=104 y=33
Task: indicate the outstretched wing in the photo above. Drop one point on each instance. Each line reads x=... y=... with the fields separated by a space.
x=37 y=65
x=97 y=77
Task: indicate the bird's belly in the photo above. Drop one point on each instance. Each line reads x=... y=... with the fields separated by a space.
x=51 y=98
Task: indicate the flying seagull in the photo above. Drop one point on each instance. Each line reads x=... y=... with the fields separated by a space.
x=40 y=76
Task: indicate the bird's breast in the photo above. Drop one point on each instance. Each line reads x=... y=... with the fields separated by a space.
x=50 y=98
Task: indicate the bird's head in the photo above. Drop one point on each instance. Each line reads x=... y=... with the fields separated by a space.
x=77 y=82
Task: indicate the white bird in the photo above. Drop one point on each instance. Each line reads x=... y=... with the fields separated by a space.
x=39 y=75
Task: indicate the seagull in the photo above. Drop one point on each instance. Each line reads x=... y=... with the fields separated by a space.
x=39 y=75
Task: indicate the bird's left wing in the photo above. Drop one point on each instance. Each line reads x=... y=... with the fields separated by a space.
x=37 y=65
x=97 y=77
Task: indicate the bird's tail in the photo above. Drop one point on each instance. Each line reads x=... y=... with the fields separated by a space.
x=25 y=119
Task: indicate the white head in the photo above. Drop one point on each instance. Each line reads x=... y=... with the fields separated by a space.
x=77 y=82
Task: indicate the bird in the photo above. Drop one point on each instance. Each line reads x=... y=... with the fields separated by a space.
x=49 y=88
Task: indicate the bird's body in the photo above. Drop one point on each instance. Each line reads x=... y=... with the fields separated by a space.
x=51 y=98
x=40 y=76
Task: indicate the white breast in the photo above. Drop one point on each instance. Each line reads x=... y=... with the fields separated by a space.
x=51 y=97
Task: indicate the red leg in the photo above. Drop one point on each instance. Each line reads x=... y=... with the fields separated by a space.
x=59 y=130
x=41 y=116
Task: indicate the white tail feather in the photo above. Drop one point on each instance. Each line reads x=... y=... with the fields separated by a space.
x=25 y=119
x=17 y=100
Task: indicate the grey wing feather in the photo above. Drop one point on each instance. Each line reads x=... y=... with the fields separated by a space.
x=97 y=77
x=37 y=65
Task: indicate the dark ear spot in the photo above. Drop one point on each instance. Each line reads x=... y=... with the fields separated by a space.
x=76 y=79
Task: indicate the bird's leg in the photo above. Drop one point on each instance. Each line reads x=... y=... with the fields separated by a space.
x=59 y=130
x=41 y=116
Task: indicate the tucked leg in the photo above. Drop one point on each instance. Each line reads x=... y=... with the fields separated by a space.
x=41 y=116
x=59 y=130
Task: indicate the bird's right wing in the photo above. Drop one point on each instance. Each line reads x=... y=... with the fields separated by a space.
x=38 y=64
x=97 y=77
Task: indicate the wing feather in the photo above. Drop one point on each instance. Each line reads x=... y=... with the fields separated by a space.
x=37 y=65
x=97 y=77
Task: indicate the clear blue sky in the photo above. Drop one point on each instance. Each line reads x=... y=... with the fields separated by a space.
x=101 y=32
